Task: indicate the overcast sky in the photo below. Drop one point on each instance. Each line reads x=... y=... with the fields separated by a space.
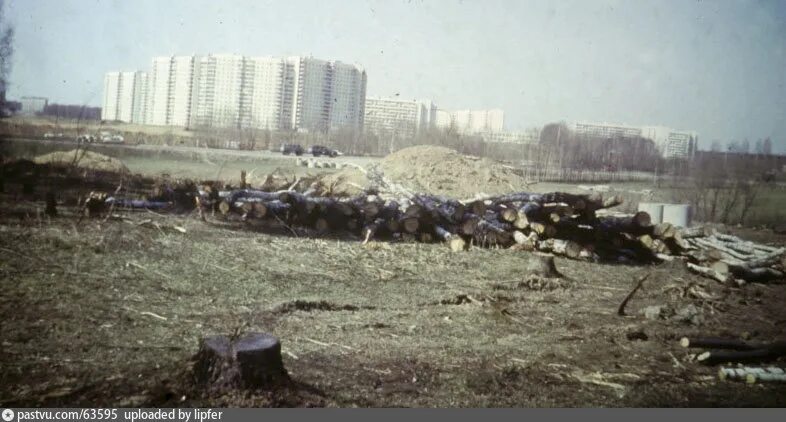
x=716 y=67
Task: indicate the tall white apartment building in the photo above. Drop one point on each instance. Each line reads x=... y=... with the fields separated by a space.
x=171 y=91
x=403 y=118
x=472 y=121
x=672 y=143
x=124 y=96
x=300 y=93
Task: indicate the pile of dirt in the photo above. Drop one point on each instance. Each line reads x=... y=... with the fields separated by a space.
x=83 y=159
x=433 y=169
x=348 y=181
x=444 y=171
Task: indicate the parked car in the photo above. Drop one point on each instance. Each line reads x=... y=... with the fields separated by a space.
x=85 y=139
x=317 y=150
x=287 y=149
x=114 y=139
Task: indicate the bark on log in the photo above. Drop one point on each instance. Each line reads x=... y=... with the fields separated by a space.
x=454 y=242
x=760 y=275
x=566 y=248
x=764 y=354
x=708 y=272
x=717 y=343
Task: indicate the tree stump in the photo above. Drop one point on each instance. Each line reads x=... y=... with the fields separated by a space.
x=541 y=265
x=251 y=361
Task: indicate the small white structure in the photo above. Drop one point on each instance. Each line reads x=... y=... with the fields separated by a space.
x=654 y=209
x=677 y=214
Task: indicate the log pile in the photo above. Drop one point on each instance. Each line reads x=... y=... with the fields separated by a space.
x=727 y=258
x=559 y=223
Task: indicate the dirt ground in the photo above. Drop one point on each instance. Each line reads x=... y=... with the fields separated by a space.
x=109 y=313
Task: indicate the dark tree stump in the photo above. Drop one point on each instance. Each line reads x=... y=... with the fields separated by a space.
x=251 y=361
x=541 y=265
x=51 y=204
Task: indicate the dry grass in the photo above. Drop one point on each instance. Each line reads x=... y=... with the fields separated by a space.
x=108 y=313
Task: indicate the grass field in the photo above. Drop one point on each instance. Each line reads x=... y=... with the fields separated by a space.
x=109 y=311
x=109 y=314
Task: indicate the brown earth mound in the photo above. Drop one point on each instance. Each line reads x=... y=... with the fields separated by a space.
x=83 y=159
x=443 y=171
x=433 y=169
x=345 y=182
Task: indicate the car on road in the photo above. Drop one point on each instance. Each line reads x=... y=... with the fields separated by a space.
x=86 y=139
x=287 y=149
x=318 y=150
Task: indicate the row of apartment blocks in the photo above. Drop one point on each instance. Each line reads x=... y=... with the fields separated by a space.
x=290 y=93
x=670 y=142
x=406 y=118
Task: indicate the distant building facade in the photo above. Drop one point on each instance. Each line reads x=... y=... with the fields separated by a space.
x=124 y=96
x=605 y=130
x=671 y=143
x=297 y=93
x=531 y=136
x=396 y=117
x=472 y=121
x=33 y=105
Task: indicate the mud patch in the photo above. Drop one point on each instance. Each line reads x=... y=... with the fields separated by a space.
x=311 y=306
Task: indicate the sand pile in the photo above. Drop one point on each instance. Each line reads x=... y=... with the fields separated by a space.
x=83 y=159
x=436 y=170
x=345 y=182
x=444 y=171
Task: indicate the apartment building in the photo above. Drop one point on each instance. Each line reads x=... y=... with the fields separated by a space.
x=530 y=136
x=124 y=96
x=298 y=93
x=472 y=121
x=671 y=143
x=395 y=117
x=605 y=130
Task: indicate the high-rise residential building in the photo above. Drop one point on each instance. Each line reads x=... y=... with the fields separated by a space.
x=300 y=93
x=33 y=105
x=395 y=117
x=124 y=96
x=472 y=121
x=171 y=97
x=671 y=143
x=605 y=130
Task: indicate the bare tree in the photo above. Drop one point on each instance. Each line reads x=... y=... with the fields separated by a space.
x=6 y=53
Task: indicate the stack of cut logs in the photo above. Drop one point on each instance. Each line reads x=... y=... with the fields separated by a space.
x=560 y=223
x=725 y=257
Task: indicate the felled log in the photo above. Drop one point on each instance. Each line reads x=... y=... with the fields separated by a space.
x=371 y=229
x=764 y=354
x=408 y=224
x=526 y=214
x=566 y=248
x=717 y=343
x=708 y=272
x=760 y=275
x=697 y=231
x=526 y=242
x=454 y=241
x=752 y=375
x=490 y=232
x=251 y=361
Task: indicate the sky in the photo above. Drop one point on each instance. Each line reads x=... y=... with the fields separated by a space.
x=716 y=67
